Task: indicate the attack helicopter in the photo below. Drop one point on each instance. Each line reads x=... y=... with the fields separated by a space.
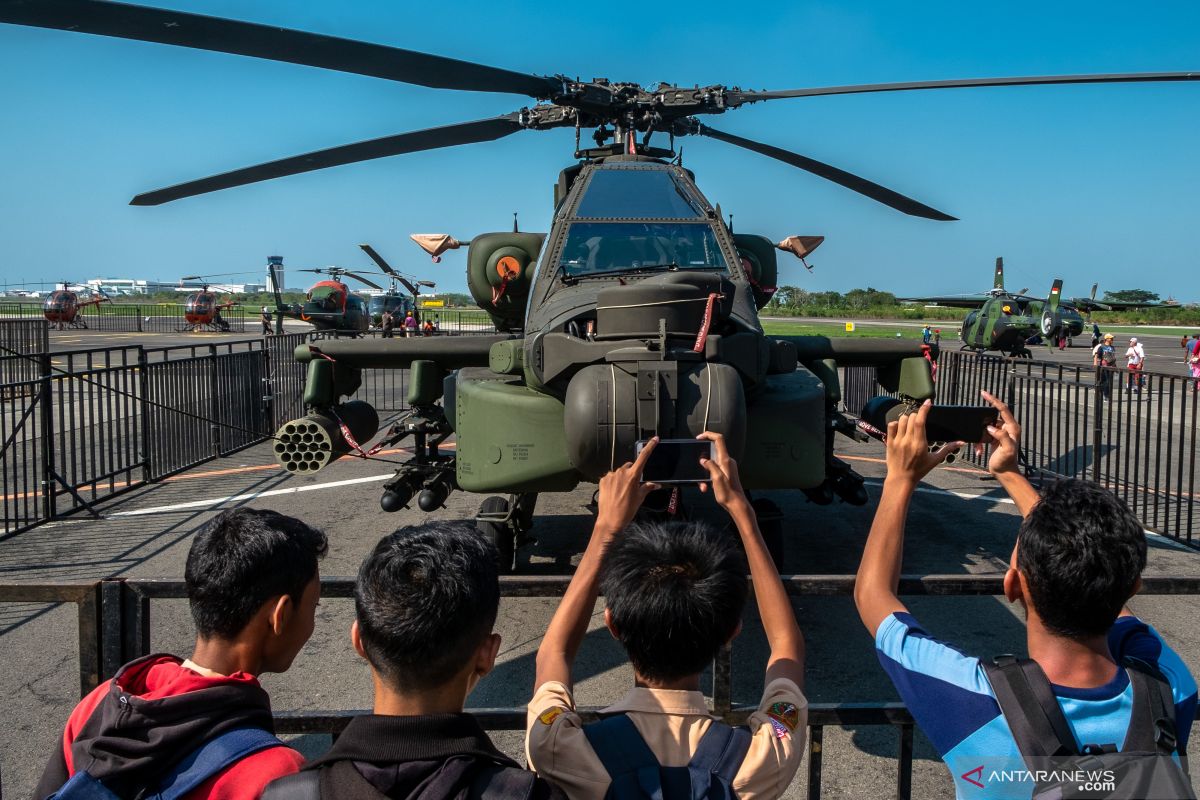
x=635 y=315
x=1004 y=322
x=63 y=307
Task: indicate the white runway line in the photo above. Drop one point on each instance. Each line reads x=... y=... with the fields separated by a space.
x=237 y=498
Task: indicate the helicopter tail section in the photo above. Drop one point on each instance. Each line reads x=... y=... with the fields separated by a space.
x=1051 y=320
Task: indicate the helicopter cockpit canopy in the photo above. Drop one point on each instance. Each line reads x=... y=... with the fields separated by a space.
x=328 y=297
x=388 y=302
x=673 y=230
x=612 y=247
x=59 y=301
x=200 y=303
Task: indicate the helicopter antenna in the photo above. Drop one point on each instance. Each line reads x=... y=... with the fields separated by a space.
x=731 y=223
x=515 y=229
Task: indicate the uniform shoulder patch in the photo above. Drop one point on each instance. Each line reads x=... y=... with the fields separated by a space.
x=549 y=715
x=785 y=714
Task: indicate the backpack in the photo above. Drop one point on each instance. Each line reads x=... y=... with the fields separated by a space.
x=196 y=767
x=494 y=782
x=636 y=773
x=1143 y=768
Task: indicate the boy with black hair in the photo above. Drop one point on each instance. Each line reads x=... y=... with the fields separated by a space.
x=675 y=595
x=425 y=604
x=1098 y=679
x=204 y=724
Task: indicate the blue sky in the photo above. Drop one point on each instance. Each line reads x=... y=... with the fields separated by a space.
x=1082 y=182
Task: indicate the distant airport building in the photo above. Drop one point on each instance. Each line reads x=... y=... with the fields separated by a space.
x=117 y=286
x=131 y=286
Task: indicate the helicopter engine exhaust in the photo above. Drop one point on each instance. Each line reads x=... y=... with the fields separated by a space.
x=315 y=441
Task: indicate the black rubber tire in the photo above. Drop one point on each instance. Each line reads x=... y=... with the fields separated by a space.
x=502 y=536
x=770 y=525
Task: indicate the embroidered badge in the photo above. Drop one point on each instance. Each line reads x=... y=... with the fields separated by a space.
x=785 y=714
x=549 y=715
x=781 y=730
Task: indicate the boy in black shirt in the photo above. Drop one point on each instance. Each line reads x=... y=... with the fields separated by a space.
x=425 y=603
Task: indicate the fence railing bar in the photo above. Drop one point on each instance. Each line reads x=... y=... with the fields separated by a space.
x=816 y=750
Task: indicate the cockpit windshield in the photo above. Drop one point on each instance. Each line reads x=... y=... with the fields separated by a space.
x=636 y=194
x=607 y=247
x=328 y=298
x=200 y=303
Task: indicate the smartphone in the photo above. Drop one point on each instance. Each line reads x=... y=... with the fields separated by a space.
x=960 y=423
x=676 y=461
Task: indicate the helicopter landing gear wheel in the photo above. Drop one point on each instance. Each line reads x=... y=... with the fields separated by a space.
x=498 y=532
x=770 y=525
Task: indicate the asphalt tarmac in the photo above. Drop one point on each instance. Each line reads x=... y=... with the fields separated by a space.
x=960 y=524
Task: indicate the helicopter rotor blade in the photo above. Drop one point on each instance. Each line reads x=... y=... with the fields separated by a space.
x=407 y=284
x=484 y=130
x=179 y=28
x=379 y=260
x=737 y=97
x=841 y=177
x=367 y=281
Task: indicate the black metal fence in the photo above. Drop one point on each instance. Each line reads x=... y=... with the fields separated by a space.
x=1134 y=433
x=98 y=422
x=114 y=623
x=131 y=317
x=80 y=426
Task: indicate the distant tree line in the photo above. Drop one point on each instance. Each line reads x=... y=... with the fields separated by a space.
x=869 y=302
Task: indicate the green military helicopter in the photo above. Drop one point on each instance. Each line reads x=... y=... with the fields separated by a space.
x=635 y=315
x=1001 y=321
x=329 y=305
x=392 y=300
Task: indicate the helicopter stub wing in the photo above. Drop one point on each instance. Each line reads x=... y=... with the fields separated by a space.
x=448 y=352
x=854 y=351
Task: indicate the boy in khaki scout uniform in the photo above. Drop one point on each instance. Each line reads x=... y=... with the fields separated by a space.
x=674 y=596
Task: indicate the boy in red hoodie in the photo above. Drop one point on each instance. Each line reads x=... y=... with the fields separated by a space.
x=253 y=585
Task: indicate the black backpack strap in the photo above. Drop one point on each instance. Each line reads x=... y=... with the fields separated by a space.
x=720 y=753
x=304 y=785
x=623 y=752
x=499 y=782
x=1152 y=726
x=1029 y=706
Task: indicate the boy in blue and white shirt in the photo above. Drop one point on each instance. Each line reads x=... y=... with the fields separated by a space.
x=1078 y=559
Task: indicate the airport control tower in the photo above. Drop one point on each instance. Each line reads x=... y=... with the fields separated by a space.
x=275 y=277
